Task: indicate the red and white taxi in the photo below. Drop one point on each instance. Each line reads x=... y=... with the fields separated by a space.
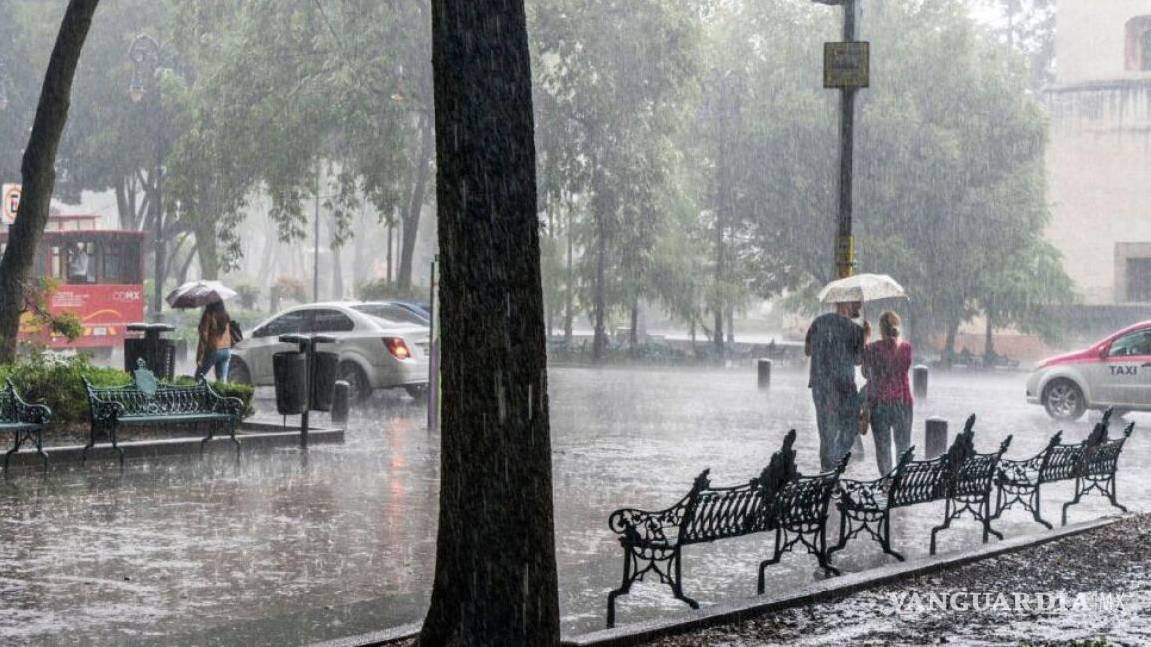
x=1114 y=372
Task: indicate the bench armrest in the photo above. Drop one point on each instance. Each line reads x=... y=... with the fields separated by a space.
x=865 y=493
x=104 y=411
x=231 y=406
x=646 y=527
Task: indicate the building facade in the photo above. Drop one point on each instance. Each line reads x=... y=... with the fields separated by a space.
x=1099 y=157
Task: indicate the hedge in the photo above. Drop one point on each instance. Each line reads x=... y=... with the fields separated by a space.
x=59 y=383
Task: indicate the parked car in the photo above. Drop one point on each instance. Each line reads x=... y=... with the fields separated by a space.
x=375 y=353
x=1113 y=372
x=399 y=311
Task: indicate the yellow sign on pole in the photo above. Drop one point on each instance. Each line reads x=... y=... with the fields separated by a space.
x=845 y=256
x=847 y=64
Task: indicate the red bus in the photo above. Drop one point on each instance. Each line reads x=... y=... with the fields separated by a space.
x=100 y=275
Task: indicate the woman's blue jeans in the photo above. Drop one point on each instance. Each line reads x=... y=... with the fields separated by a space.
x=217 y=359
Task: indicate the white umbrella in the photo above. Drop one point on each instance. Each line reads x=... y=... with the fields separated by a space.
x=861 y=287
x=196 y=294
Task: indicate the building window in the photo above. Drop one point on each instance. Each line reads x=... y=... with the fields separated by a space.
x=1139 y=280
x=1138 y=51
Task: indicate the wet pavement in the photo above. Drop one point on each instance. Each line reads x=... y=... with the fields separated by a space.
x=278 y=550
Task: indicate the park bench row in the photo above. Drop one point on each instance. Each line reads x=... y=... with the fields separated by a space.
x=796 y=507
x=144 y=402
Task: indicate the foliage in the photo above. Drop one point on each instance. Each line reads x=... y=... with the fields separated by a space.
x=248 y=294
x=290 y=287
x=59 y=382
x=382 y=290
x=40 y=321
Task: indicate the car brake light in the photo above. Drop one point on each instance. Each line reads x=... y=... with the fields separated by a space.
x=397 y=348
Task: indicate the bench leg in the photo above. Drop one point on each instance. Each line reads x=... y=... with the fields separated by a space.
x=1035 y=499
x=677 y=581
x=885 y=543
x=91 y=443
x=116 y=445
x=844 y=521
x=1078 y=495
x=768 y=562
x=821 y=553
x=1111 y=493
x=946 y=523
x=987 y=529
x=16 y=442
x=208 y=438
x=232 y=433
x=622 y=590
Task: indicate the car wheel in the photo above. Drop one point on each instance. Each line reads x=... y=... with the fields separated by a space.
x=359 y=389
x=1063 y=400
x=418 y=392
x=238 y=372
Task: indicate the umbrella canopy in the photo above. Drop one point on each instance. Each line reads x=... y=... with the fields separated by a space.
x=196 y=294
x=861 y=287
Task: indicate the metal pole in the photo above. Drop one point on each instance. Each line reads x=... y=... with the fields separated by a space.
x=316 y=242
x=844 y=240
x=158 y=288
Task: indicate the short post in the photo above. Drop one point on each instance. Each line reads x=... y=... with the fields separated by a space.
x=919 y=379
x=340 y=403
x=764 y=373
x=936 y=437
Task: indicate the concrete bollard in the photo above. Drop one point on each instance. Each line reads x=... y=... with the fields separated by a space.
x=936 y=438
x=919 y=381
x=340 y=402
x=764 y=366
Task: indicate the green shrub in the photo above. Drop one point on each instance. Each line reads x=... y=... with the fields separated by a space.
x=59 y=383
x=381 y=290
x=242 y=391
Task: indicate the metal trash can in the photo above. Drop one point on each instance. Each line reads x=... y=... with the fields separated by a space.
x=159 y=354
x=324 y=366
x=290 y=372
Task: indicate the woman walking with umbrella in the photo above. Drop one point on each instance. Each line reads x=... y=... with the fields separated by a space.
x=214 y=350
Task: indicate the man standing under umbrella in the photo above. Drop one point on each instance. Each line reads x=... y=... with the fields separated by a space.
x=835 y=345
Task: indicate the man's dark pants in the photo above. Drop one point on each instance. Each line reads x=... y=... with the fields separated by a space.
x=837 y=417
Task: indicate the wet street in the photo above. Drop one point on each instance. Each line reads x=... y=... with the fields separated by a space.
x=278 y=550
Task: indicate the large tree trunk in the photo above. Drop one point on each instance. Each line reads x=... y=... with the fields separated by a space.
x=495 y=581
x=207 y=249
x=415 y=205
x=38 y=170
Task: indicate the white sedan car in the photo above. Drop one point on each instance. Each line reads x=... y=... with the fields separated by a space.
x=375 y=353
x=1113 y=372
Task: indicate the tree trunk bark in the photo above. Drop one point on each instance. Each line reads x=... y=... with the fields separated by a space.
x=38 y=173
x=415 y=205
x=569 y=304
x=600 y=207
x=989 y=341
x=495 y=581
x=949 y=342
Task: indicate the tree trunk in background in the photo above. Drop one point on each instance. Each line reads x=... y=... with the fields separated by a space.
x=412 y=218
x=569 y=304
x=495 y=581
x=600 y=208
x=38 y=170
x=730 y=324
x=634 y=334
x=207 y=249
x=989 y=340
x=949 y=342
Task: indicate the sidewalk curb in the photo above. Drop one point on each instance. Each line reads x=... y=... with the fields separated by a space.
x=736 y=610
x=384 y=637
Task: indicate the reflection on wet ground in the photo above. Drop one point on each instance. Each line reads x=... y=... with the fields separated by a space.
x=279 y=551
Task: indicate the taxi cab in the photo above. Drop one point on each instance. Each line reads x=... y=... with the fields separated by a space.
x=1113 y=372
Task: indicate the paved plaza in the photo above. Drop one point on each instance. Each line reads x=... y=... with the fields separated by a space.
x=279 y=550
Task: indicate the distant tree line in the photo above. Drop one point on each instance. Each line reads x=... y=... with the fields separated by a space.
x=686 y=148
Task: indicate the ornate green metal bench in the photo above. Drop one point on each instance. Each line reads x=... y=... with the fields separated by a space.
x=1091 y=463
x=780 y=499
x=24 y=421
x=961 y=477
x=147 y=402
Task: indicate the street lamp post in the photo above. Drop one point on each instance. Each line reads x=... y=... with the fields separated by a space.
x=854 y=61
x=147 y=58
